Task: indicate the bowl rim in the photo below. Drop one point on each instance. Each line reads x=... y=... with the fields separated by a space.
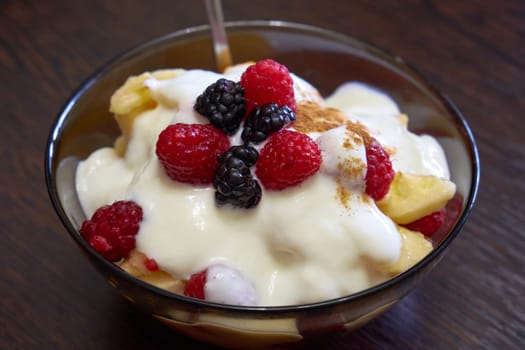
x=59 y=122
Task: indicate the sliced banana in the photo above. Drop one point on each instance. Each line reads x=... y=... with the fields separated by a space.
x=414 y=247
x=131 y=99
x=412 y=197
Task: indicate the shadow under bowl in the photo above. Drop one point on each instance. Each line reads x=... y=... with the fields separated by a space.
x=324 y=58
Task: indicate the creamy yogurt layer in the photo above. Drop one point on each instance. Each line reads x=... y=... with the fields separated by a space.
x=303 y=244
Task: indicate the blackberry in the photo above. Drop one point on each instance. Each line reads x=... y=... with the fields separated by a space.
x=247 y=154
x=223 y=104
x=233 y=181
x=262 y=121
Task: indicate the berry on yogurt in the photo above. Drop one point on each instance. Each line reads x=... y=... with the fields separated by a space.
x=266 y=82
x=223 y=103
x=265 y=120
x=233 y=179
x=112 y=229
x=379 y=174
x=188 y=152
x=287 y=159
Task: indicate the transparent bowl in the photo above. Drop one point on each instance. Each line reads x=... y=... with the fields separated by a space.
x=324 y=58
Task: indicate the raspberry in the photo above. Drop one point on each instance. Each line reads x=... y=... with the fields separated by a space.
x=195 y=286
x=379 y=173
x=267 y=82
x=233 y=180
x=151 y=264
x=287 y=159
x=223 y=104
x=429 y=224
x=188 y=152
x=262 y=121
x=112 y=228
x=452 y=212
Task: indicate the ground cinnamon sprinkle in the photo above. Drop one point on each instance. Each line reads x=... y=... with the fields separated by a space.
x=351 y=168
x=359 y=129
x=343 y=194
x=312 y=117
x=365 y=198
x=353 y=138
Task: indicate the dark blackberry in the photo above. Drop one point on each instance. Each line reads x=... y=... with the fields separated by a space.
x=247 y=154
x=233 y=181
x=265 y=120
x=223 y=104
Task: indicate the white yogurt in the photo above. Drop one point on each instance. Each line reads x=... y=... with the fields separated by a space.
x=303 y=244
x=411 y=153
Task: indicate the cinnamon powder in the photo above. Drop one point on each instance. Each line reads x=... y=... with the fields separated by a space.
x=312 y=117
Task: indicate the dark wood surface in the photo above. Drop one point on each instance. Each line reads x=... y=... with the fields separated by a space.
x=51 y=298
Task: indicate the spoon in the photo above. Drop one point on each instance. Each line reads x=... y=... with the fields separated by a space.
x=223 y=57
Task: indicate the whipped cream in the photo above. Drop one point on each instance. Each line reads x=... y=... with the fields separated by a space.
x=315 y=241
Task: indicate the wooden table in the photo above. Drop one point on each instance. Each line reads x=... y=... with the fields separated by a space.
x=51 y=298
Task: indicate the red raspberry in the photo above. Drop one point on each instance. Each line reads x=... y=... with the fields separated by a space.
x=287 y=159
x=452 y=212
x=267 y=82
x=112 y=229
x=429 y=224
x=379 y=173
x=195 y=286
x=188 y=152
x=151 y=264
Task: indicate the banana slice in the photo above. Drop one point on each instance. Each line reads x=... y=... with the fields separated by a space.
x=134 y=265
x=414 y=248
x=133 y=98
x=412 y=197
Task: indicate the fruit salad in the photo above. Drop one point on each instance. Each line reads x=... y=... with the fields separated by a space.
x=248 y=187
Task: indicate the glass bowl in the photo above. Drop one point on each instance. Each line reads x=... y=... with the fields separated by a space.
x=324 y=58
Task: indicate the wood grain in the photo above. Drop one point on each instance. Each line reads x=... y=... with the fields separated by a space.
x=474 y=51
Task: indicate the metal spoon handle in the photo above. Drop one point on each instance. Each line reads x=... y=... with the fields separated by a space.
x=223 y=57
